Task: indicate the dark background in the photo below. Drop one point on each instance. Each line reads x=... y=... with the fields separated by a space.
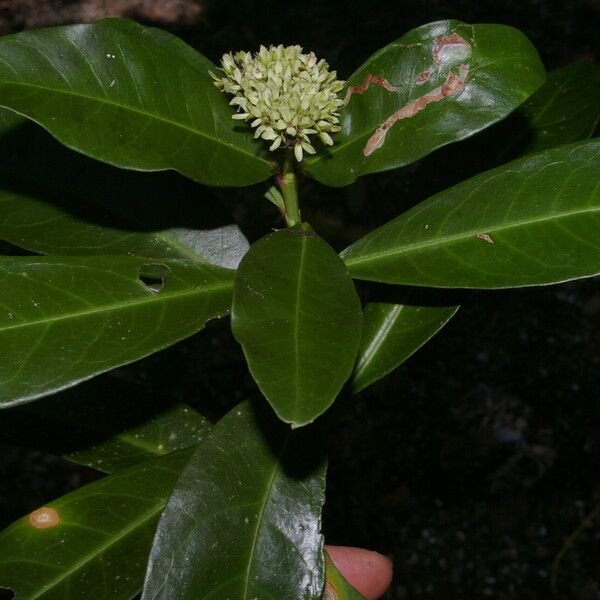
x=474 y=461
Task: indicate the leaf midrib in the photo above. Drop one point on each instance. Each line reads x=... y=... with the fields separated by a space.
x=440 y=241
x=165 y=297
x=259 y=519
x=379 y=339
x=156 y=117
x=296 y=332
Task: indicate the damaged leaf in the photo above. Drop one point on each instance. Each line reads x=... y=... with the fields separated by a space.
x=66 y=319
x=95 y=538
x=438 y=84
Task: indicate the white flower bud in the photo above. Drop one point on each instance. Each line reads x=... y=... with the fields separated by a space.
x=275 y=144
x=308 y=147
x=269 y=134
x=326 y=138
x=298 y=151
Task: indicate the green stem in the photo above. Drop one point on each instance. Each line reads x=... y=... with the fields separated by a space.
x=587 y=522
x=288 y=184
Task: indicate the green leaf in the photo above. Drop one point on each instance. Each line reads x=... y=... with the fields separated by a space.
x=451 y=79
x=336 y=586
x=298 y=318
x=100 y=545
x=175 y=429
x=132 y=96
x=66 y=319
x=244 y=518
x=534 y=221
x=392 y=333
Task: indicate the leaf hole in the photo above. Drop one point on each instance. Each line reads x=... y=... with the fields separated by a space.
x=153 y=276
x=6 y=594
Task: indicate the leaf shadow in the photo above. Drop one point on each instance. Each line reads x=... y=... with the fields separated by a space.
x=80 y=417
x=410 y=295
x=300 y=451
x=32 y=162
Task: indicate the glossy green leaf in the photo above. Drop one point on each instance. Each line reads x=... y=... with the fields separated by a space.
x=392 y=333
x=298 y=318
x=175 y=429
x=336 y=586
x=244 y=518
x=451 y=80
x=132 y=96
x=532 y=222
x=100 y=545
x=63 y=320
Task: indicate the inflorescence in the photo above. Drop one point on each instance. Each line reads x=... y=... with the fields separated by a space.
x=286 y=94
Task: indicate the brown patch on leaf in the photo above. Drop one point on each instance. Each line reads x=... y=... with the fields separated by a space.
x=369 y=80
x=423 y=76
x=451 y=47
x=453 y=85
x=44 y=518
x=485 y=237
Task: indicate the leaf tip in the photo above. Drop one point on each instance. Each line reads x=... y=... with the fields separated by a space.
x=299 y=424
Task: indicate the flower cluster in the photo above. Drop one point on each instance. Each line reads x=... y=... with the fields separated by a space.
x=286 y=94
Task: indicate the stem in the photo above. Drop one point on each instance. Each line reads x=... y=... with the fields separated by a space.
x=288 y=184
x=570 y=541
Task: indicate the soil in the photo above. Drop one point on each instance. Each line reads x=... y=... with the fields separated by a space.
x=473 y=462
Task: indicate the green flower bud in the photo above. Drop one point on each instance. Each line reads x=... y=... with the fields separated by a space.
x=285 y=94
